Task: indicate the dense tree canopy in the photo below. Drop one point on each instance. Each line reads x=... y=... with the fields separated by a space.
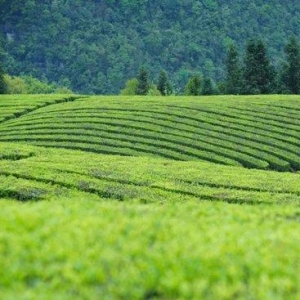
x=291 y=70
x=194 y=87
x=143 y=86
x=163 y=84
x=258 y=74
x=96 y=46
x=233 y=84
x=3 y=86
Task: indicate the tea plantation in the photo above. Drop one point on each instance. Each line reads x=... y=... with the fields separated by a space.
x=149 y=197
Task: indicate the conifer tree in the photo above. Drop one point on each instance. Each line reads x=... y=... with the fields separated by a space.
x=258 y=74
x=143 y=82
x=207 y=88
x=3 y=87
x=193 y=88
x=291 y=70
x=233 y=83
x=250 y=69
x=164 y=85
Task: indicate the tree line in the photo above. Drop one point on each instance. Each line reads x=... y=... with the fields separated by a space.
x=254 y=74
x=28 y=85
x=257 y=75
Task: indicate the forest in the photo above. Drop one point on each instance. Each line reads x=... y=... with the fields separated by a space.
x=96 y=46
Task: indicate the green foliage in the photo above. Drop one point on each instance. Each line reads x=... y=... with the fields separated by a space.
x=152 y=219
x=3 y=85
x=193 y=87
x=30 y=85
x=35 y=86
x=153 y=180
x=15 y=85
x=233 y=83
x=14 y=106
x=99 y=45
x=63 y=91
x=138 y=226
x=143 y=86
x=83 y=249
x=131 y=87
x=164 y=85
x=208 y=87
x=153 y=90
x=291 y=70
x=259 y=77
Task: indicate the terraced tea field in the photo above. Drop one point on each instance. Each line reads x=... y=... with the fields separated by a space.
x=44 y=174
x=149 y=198
x=14 y=106
x=252 y=132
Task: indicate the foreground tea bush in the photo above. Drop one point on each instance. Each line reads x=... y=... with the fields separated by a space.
x=90 y=226
x=58 y=173
x=87 y=249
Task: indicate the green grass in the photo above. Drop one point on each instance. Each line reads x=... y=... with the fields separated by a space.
x=148 y=198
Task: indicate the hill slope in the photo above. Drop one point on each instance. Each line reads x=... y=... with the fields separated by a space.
x=254 y=132
x=138 y=225
x=33 y=173
x=95 y=46
x=105 y=226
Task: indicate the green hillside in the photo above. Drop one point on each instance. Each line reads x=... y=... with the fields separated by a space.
x=98 y=226
x=254 y=132
x=31 y=173
x=95 y=46
x=149 y=197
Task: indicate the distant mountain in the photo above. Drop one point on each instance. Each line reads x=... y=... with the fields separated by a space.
x=95 y=46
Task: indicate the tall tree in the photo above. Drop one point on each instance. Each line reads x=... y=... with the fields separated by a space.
x=143 y=82
x=131 y=87
x=291 y=70
x=207 y=88
x=233 y=72
x=258 y=73
x=3 y=87
x=193 y=88
x=164 y=85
